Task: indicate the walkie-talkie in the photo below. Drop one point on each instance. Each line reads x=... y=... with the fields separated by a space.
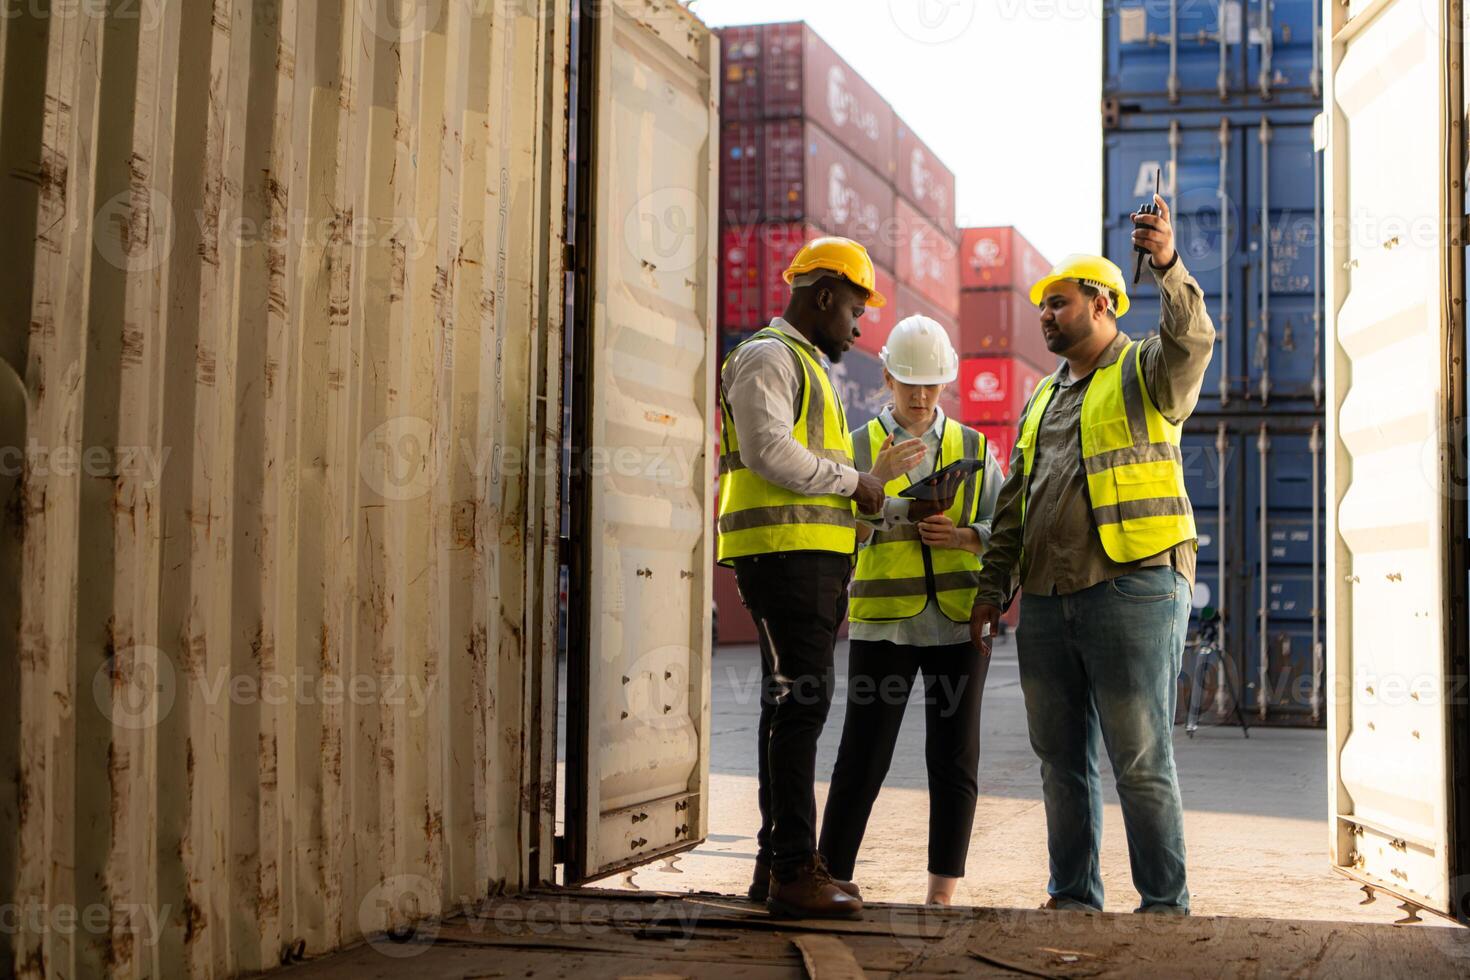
x=1149 y=208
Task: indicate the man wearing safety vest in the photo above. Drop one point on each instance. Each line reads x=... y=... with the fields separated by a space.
x=1095 y=524
x=910 y=612
x=787 y=525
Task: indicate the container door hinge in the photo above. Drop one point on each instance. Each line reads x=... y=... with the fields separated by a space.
x=559 y=850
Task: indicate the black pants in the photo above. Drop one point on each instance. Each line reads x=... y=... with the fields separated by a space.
x=880 y=677
x=798 y=602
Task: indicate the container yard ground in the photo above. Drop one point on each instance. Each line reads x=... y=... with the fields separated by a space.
x=1253 y=813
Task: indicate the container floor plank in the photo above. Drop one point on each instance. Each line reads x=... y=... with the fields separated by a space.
x=587 y=934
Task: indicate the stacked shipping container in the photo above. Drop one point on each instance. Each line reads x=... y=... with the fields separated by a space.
x=1224 y=103
x=1003 y=354
x=810 y=149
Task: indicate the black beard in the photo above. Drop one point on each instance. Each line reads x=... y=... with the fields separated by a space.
x=833 y=352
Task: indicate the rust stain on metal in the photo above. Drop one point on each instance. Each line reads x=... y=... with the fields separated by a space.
x=660 y=418
x=465 y=530
x=204 y=365
x=133 y=345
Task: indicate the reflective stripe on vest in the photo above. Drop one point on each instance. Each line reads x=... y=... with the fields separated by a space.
x=896 y=573
x=759 y=518
x=1135 y=468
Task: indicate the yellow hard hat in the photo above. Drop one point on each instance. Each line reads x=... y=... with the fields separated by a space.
x=1094 y=270
x=842 y=256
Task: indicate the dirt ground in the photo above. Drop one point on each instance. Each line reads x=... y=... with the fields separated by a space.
x=1255 y=819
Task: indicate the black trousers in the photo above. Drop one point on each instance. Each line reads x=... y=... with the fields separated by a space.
x=798 y=602
x=880 y=677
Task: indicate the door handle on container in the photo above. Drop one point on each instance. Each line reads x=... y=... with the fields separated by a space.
x=1265 y=335
x=1263 y=444
x=1268 y=41
x=1173 y=50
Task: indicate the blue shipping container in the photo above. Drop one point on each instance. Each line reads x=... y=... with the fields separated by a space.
x=1269 y=606
x=1245 y=191
x=1169 y=54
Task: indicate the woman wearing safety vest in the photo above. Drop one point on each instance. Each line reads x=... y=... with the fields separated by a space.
x=909 y=611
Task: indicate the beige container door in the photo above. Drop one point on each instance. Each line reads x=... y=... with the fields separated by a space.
x=638 y=674
x=1396 y=460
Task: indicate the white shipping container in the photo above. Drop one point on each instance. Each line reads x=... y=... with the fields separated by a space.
x=280 y=389
x=1398 y=733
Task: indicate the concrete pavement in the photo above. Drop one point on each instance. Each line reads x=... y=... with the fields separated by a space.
x=1256 y=812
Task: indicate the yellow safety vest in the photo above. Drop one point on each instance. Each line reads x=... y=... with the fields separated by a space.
x=1135 y=468
x=896 y=572
x=760 y=518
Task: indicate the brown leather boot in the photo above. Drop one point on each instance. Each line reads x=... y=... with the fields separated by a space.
x=760 y=884
x=812 y=894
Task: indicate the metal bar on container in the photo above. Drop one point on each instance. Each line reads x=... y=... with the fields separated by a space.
x=1174 y=141
x=1317 y=383
x=1268 y=41
x=1173 y=50
x=1222 y=80
x=1222 y=452
x=1263 y=445
x=1318 y=653
x=1264 y=338
x=1316 y=49
x=1225 y=251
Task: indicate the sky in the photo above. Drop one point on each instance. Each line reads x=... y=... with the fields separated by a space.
x=1006 y=92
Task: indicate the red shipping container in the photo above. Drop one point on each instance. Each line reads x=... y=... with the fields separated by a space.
x=1001 y=437
x=927 y=258
x=781 y=243
x=997 y=258
x=879 y=321
x=742 y=173
x=911 y=303
x=742 y=264
x=1002 y=321
x=995 y=389
x=810 y=177
x=742 y=93
x=804 y=77
x=923 y=180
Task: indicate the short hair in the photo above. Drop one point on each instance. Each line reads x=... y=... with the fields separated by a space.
x=1093 y=292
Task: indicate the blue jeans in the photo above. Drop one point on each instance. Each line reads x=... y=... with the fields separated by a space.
x=1101 y=664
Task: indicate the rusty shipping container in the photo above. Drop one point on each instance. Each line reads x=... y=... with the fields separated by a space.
x=283 y=349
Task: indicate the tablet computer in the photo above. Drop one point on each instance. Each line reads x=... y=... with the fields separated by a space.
x=945 y=483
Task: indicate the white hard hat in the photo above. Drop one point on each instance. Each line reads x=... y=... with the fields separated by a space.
x=918 y=352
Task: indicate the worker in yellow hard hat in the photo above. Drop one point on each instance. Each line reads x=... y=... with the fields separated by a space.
x=1094 y=525
x=788 y=495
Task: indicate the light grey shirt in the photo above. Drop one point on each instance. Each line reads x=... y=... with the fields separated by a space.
x=761 y=385
x=931 y=628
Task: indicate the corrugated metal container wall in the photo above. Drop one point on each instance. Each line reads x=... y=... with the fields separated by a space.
x=294 y=305
x=858 y=378
x=927 y=259
x=742 y=288
x=741 y=60
x=742 y=172
x=1217 y=52
x=805 y=78
x=1221 y=173
x=811 y=177
x=996 y=258
x=1002 y=321
x=923 y=179
x=995 y=389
